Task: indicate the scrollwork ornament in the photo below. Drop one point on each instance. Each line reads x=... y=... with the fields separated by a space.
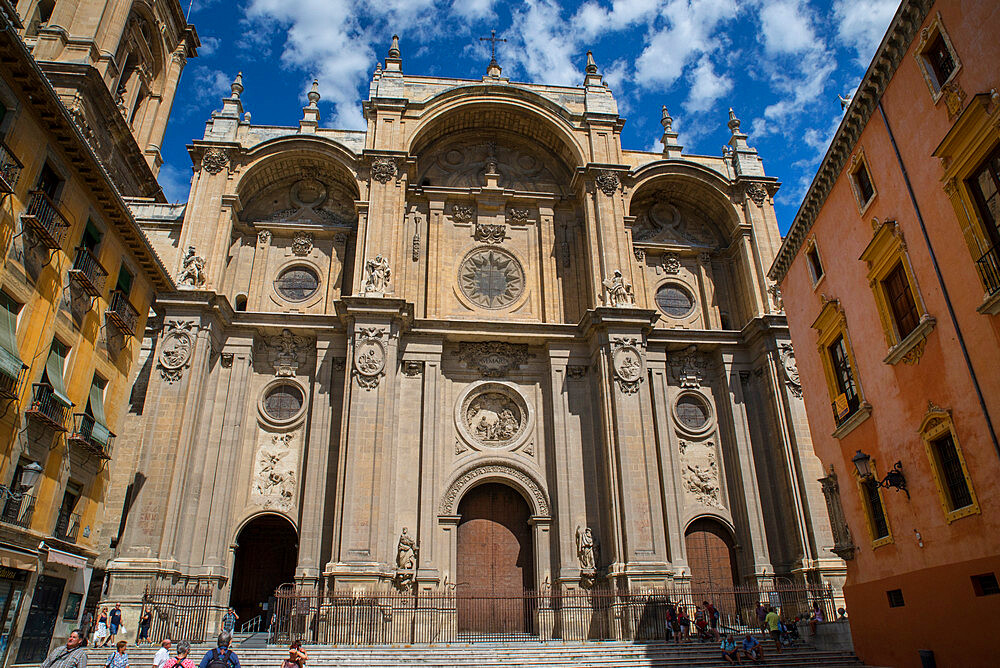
x=383 y=169
x=175 y=349
x=491 y=233
x=628 y=364
x=214 y=160
x=757 y=192
x=671 y=263
x=463 y=213
x=369 y=357
x=608 y=182
x=302 y=244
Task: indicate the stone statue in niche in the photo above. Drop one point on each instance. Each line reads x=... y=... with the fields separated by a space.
x=379 y=274
x=406 y=552
x=193 y=269
x=689 y=368
x=618 y=291
x=586 y=548
x=274 y=477
x=287 y=352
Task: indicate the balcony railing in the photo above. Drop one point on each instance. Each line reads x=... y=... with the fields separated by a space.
x=91 y=435
x=10 y=169
x=46 y=408
x=121 y=313
x=989 y=269
x=67 y=527
x=17 y=508
x=88 y=273
x=10 y=376
x=45 y=220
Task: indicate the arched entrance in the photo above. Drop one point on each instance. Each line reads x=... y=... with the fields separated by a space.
x=710 y=554
x=495 y=561
x=267 y=550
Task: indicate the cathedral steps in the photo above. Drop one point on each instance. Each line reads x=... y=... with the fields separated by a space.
x=521 y=654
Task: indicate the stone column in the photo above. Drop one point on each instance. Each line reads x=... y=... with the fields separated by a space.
x=670 y=464
x=432 y=456
x=159 y=109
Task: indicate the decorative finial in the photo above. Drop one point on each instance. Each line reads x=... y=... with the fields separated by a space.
x=591 y=65
x=734 y=123
x=378 y=67
x=493 y=69
x=246 y=117
x=394 y=49
x=665 y=120
x=314 y=93
x=237 y=86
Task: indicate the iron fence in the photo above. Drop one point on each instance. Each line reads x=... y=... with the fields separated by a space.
x=989 y=269
x=601 y=613
x=179 y=612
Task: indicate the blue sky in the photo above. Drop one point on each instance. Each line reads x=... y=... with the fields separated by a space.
x=779 y=63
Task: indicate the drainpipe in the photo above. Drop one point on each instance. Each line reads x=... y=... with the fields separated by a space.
x=940 y=279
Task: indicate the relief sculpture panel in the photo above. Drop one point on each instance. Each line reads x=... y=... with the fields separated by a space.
x=465 y=164
x=274 y=472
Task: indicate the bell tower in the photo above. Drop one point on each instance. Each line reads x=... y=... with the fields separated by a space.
x=116 y=65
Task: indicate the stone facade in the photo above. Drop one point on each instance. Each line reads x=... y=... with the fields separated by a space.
x=482 y=287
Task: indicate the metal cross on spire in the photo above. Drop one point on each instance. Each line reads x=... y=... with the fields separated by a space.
x=492 y=39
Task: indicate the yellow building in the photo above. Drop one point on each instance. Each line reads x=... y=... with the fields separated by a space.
x=77 y=281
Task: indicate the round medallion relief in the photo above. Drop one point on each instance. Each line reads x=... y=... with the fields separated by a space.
x=628 y=363
x=369 y=358
x=493 y=415
x=491 y=278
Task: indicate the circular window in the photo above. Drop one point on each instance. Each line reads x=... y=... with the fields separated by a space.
x=283 y=402
x=674 y=300
x=297 y=283
x=692 y=412
x=491 y=278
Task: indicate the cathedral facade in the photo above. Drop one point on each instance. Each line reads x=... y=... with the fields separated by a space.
x=477 y=345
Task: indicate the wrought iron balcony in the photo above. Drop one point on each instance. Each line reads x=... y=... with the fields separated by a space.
x=46 y=408
x=91 y=435
x=88 y=273
x=10 y=382
x=121 y=313
x=989 y=269
x=44 y=219
x=10 y=169
x=17 y=507
x=67 y=527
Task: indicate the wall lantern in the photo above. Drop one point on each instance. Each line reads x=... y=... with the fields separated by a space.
x=30 y=475
x=894 y=478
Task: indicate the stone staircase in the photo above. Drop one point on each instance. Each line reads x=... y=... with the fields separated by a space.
x=691 y=654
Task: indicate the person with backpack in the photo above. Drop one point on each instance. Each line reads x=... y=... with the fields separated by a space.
x=181 y=660
x=221 y=656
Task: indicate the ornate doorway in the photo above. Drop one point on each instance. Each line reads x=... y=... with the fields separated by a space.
x=495 y=561
x=266 y=554
x=710 y=554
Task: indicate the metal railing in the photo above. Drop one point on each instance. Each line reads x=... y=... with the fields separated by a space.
x=67 y=527
x=88 y=272
x=179 y=612
x=17 y=508
x=121 y=313
x=255 y=625
x=10 y=387
x=10 y=169
x=989 y=269
x=602 y=613
x=45 y=220
x=46 y=408
x=83 y=434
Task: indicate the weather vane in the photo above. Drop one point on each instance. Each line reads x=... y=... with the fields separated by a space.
x=492 y=39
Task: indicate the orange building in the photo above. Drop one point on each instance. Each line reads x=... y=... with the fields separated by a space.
x=890 y=277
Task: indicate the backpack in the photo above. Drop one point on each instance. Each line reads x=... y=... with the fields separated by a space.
x=219 y=660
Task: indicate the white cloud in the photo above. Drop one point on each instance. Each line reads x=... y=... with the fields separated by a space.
x=861 y=25
x=176 y=182
x=212 y=83
x=543 y=44
x=787 y=27
x=593 y=18
x=473 y=9
x=706 y=86
x=208 y=45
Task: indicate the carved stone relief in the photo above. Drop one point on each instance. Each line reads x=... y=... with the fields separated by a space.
x=618 y=291
x=843 y=543
x=302 y=244
x=369 y=357
x=274 y=476
x=493 y=359
x=662 y=221
x=490 y=233
x=517 y=216
x=700 y=473
x=192 y=270
x=384 y=169
x=175 y=349
x=498 y=470
x=463 y=213
x=491 y=278
x=628 y=364
x=757 y=192
x=688 y=367
x=288 y=351
x=608 y=182
x=214 y=160
x=671 y=263
x=378 y=276
x=790 y=368
x=466 y=164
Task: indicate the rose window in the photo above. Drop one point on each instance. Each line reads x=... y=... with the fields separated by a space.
x=297 y=283
x=491 y=278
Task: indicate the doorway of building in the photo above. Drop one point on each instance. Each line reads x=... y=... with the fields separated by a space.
x=495 y=562
x=266 y=554
x=710 y=554
x=41 y=620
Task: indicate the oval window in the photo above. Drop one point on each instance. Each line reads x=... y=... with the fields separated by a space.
x=283 y=402
x=674 y=300
x=692 y=412
x=297 y=283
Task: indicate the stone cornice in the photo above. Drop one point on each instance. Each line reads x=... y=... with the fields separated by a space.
x=903 y=29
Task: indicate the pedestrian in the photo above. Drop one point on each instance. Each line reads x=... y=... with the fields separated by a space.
x=774 y=627
x=182 y=660
x=675 y=622
x=163 y=654
x=229 y=621
x=752 y=649
x=685 y=623
x=713 y=615
x=102 y=633
x=729 y=651
x=114 y=622
x=761 y=618
x=296 y=656
x=118 y=658
x=71 y=655
x=815 y=618
x=221 y=656
x=86 y=622
x=145 y=620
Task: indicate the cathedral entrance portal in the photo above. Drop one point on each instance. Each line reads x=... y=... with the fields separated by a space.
x=266 y=554
x=495 y=561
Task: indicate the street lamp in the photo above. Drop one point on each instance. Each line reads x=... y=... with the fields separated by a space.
x=30 y=475
x=894 y=478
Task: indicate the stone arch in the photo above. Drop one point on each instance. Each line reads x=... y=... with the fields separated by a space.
x=495 y=470
x=710 y=548
x=256 y=514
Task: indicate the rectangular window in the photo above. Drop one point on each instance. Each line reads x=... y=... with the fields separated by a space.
x=863 y=182
x=10 y=358
x=985 y=187
x=895 y=597
x=124 y=284
x=49 y=181
x=99 y=431
x=952 y=475
x=91 y=237
x=815 y=266
x=985 y=585
x=940 y=59
x=901 y=302
x=876 y=513
x=843 y=375
x=55 y=366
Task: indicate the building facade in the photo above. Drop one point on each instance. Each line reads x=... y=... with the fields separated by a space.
x=891 y=282
x=78 y=278
x=477 y=345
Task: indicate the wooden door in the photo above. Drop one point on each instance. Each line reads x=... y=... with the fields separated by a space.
x=709 y=555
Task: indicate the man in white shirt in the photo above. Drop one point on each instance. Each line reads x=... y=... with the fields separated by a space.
x=163 y=654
